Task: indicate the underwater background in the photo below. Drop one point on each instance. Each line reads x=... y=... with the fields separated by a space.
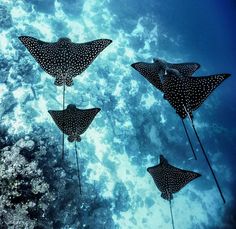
x=135 y=124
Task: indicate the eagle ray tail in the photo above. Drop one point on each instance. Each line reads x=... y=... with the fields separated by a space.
x=78 y=170
x=205 y=155
x=190 y=143
x=208 y=162
x=63 y=135
x=171 y=213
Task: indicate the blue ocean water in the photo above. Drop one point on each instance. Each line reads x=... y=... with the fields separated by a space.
x=135 y=124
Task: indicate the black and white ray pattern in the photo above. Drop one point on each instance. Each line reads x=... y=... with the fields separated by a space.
x=154 y=71
x=185 y=69
x=181 y=69
x=150 y=71
x=170 y=179
x=73 y=121
x=64 y=59
x=186 y=94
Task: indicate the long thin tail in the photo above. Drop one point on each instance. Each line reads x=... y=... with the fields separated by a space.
x=78 y=170
x=63 y=135
x=171 y=213
x=190 y=143
x=205 y=155
x=208 y=162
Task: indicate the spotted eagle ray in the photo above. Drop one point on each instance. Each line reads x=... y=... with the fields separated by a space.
x=186 y=94
x=74 y=122
x=170 y=179
x=154 y=73
x=64 y=59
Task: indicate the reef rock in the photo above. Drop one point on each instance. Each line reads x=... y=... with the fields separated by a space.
x=5 y=18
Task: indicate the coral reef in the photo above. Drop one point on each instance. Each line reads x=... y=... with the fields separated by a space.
x=38 y=190
x=24 y=194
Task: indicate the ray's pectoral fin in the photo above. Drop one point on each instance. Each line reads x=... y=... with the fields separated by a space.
x=166 y=195
x=202 y=87
x=150 y=72
x=186 y=69
x=163 y=161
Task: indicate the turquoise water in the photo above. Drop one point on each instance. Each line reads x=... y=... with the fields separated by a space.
x=135 y=125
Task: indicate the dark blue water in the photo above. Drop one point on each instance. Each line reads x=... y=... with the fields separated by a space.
x=135 y=124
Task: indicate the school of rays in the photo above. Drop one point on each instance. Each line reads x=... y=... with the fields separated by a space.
x=185 y=93
x=173 y=80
